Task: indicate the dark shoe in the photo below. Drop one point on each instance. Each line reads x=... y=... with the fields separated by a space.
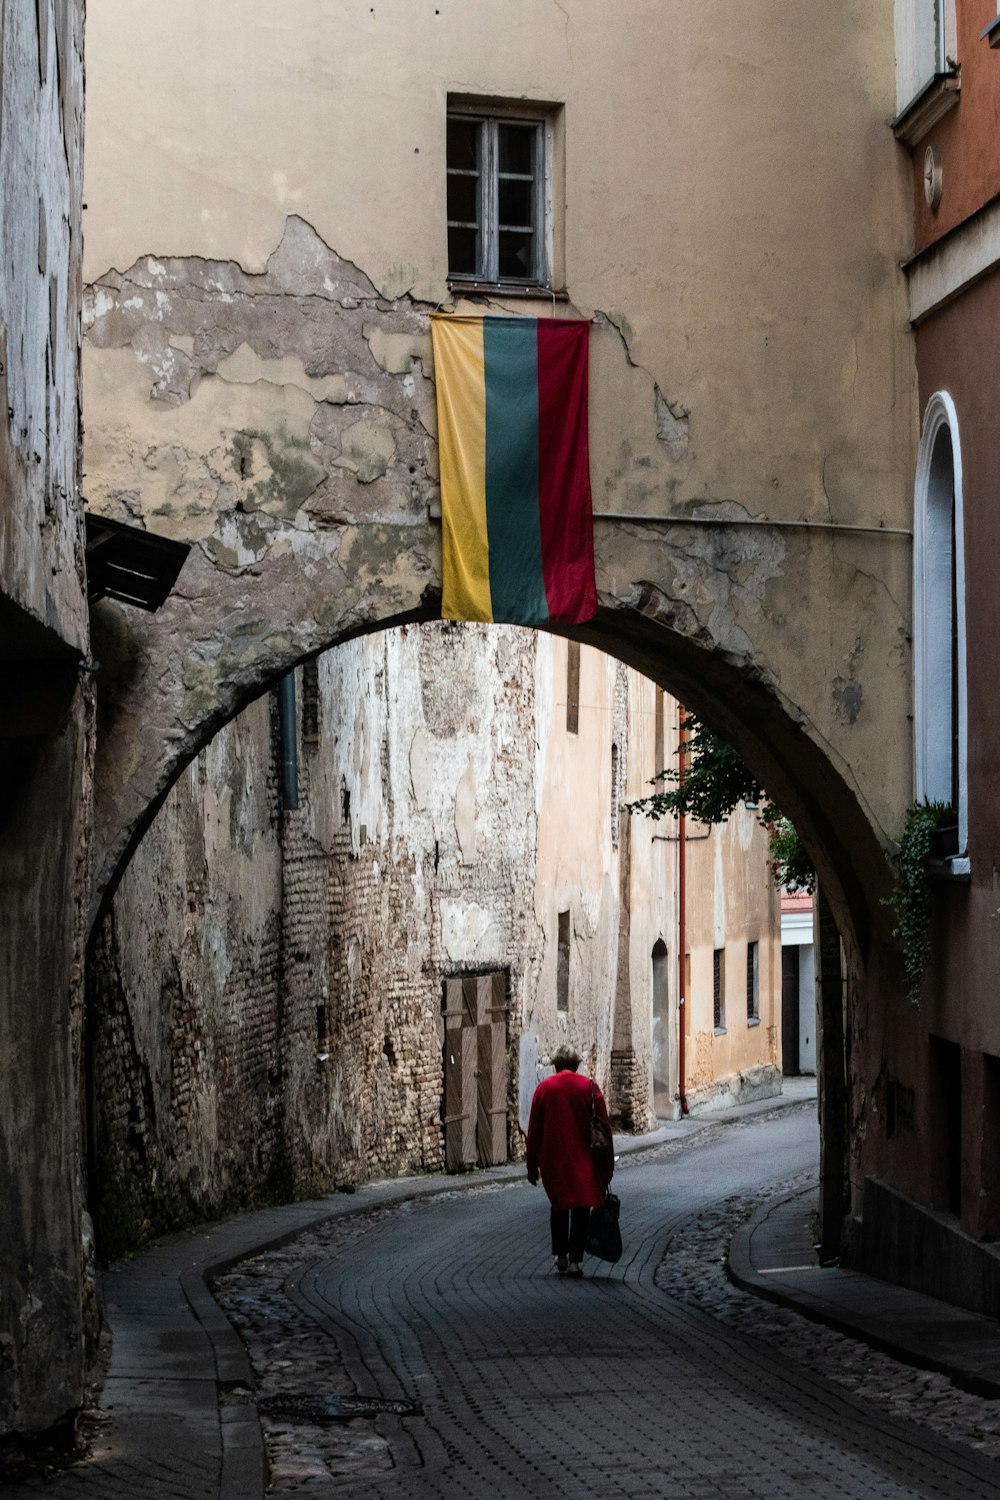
x=575 y=1268
x=562 y=1264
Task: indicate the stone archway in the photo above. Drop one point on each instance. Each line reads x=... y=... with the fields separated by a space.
x=283 y=423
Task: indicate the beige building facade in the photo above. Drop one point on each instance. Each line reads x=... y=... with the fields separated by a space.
x=267 y=235
x=607 y=899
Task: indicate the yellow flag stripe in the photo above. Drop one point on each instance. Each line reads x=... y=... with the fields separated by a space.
x=459 y=373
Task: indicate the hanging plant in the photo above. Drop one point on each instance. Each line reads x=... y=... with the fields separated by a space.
x=911 y=901
x=716 y=780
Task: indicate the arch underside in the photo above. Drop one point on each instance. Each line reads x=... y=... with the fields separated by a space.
x=169 y=682
x=283 y=423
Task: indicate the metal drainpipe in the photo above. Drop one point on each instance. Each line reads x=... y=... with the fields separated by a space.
x=681 y=920
x=289 y=743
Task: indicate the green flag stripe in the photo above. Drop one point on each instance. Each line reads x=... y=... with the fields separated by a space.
x=517 y=582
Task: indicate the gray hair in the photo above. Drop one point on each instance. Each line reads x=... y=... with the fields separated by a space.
x=565 y=1057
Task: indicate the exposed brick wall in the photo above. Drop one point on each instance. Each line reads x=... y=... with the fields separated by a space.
x=271 y=1023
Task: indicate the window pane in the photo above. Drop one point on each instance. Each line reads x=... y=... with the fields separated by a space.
x=516 y=204
x=463 y=252
x=463 y=144
x=517 y=148
x=517 y=256
x=463 y=199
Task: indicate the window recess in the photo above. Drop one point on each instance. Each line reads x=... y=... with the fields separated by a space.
x=497 y=209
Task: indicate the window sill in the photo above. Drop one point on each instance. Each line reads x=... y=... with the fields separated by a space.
x=720 y=1031
x=753 y=1020
x=992 y=32
x=506 y=289
x=957 y=870
x=930 y=105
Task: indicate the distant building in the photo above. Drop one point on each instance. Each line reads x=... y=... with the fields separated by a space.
x=798 y=984
x=370 y=911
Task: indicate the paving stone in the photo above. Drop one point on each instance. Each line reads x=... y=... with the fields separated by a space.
x=648 y=1378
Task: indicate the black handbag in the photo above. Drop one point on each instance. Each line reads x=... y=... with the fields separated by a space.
x=602 y=1146
x=604 y=1237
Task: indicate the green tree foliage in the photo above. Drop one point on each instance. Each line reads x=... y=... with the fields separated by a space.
x=716 y=780
x=911 y=901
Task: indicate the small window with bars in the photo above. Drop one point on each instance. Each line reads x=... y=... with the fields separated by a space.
x=753 y=982
x=496 y=200
x=719 y=988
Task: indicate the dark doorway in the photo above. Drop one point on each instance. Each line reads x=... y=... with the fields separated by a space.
x=662 y=1096
x=946 y=1123
x=790 y=1012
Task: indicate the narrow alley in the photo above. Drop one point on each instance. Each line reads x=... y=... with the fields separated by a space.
x=455 y=1362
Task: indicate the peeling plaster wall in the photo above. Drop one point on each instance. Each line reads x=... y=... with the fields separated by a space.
x=48 y=1317
x=273 y=977
x=184 y=1001
x=258 y=381
x=587 y=844
x=266 y=992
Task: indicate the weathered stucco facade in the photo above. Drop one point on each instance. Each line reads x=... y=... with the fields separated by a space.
x=267 y=993
x=257 y=376
x=45 y=730
x=258 y=380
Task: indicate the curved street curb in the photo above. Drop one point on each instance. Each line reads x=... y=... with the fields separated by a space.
x=901 y=1336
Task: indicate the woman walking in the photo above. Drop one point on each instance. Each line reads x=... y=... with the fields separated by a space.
x=559 y=1150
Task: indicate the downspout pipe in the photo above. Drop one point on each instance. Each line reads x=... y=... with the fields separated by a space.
x=681 y=919
x=289 y=743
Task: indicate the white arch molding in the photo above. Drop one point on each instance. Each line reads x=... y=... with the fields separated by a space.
x=938 y=547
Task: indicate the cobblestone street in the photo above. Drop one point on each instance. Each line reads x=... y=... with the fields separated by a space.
x=653 y=1377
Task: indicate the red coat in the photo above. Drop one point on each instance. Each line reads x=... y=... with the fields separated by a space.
x=559 y=1140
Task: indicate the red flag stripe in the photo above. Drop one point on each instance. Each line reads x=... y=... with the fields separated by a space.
x=564 y=501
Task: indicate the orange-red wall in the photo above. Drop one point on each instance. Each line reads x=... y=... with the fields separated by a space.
x=967 y=135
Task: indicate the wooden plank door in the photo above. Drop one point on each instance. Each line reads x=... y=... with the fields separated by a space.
x=460 y=1068
x=491 y=1126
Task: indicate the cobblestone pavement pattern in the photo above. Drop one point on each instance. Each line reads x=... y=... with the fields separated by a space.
x=529 y=1384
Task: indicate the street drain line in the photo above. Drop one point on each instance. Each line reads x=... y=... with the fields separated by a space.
x=335 y=1408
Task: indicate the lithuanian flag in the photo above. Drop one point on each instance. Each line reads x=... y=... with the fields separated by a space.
x=518 y=540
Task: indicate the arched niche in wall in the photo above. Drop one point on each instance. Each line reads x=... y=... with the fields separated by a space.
x=939 y=650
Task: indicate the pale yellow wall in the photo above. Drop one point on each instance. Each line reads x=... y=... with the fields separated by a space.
x=689 y=218
x=734 y=212
x=732 y=901
x=576 y=869
x=730 y=894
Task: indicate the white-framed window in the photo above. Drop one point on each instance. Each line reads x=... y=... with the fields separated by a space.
x=940 y=705
x=925 y=46
x=499 y=196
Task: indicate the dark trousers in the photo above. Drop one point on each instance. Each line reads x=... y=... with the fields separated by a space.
x=569 y=1231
